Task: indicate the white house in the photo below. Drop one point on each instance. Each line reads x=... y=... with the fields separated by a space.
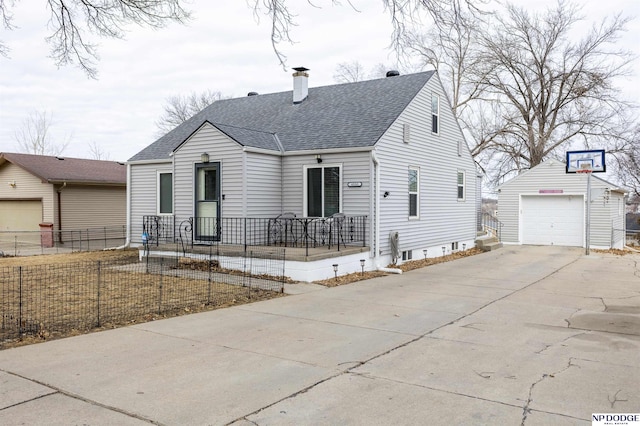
x=547 y=206
x=386 y=155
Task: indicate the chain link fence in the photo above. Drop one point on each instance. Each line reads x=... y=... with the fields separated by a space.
x=67 y=298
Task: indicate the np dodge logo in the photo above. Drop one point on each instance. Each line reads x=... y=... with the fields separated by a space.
x=609 y=419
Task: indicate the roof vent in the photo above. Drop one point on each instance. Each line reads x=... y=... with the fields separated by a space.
x=392 y=73
x=60 y=158
x=252 y=94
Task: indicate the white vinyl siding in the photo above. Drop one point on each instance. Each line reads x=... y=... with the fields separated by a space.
x=543 y=179
x=221 y=150
x=442 y=219
x=264 y=185
x=143 y=193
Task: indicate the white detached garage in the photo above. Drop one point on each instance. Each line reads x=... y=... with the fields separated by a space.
x=547 y=206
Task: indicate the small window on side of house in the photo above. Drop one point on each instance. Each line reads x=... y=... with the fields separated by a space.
x=435 y=113
x=165 y=193
x=414 y=191
x=461 y=184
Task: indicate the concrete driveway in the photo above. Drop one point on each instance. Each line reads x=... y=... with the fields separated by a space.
x=522 y=335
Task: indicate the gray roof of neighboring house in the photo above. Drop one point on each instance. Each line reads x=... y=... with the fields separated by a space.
x=340 y=116
x=71 y=170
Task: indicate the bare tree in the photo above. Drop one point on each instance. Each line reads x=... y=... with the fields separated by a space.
x=73 y=21
x=402 y=14
x=179 y=109
x=625 y=159
x=449 y=46
x=548 y=92
x=349 y=72
x=34 y=136
x=97 y=153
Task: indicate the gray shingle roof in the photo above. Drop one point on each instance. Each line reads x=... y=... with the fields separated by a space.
x=339 y=116
x=66 y=169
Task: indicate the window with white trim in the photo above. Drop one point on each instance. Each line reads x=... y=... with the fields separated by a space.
x=323 y=190
x=435 y=113
x=461 y=183
x=165 y=193
x=414 y=191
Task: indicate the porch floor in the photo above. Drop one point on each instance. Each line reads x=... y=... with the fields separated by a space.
x=298 y=254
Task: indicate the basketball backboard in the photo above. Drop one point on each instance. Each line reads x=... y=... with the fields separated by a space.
x=579 y=161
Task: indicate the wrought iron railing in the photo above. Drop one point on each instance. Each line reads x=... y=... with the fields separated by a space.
x=492 y=226
x=286 y=230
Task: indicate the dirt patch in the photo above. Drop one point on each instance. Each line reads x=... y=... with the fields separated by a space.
x=406 y=266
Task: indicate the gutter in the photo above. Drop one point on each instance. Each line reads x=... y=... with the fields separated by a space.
x=59 y=191
x=128 y=239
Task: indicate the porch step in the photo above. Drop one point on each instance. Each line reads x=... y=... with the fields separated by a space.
x=488 y=243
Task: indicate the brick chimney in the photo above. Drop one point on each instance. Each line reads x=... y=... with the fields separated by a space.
x=300 y=84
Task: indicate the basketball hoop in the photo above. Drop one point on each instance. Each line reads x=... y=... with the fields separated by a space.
x=584 y=171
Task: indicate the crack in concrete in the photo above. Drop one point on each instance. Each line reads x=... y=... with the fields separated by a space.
x=562 y=341
x=405 y=344
x=525 y=409
x=615 y=398
x=28 y=400
x=60 y=391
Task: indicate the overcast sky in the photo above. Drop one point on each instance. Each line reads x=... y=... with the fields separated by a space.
x=221 y=49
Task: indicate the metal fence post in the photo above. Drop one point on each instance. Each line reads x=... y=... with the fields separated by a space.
x=160 y=288
x=209 y=278
x=98 y=292
x=19 y=299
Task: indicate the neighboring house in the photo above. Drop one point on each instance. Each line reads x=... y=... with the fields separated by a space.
x=66 y=193
x=389 y=151
x=547 y=206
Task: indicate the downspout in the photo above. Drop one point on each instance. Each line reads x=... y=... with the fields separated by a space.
x=281 y=149
x=59 y=191
x=127 y=240
x=376 y=206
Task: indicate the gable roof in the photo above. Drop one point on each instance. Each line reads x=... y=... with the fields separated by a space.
x=71 y=170
x=559 y=167
x=339 y=116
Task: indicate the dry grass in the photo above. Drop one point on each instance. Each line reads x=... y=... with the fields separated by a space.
x=48 y=259
x=59 y=296
x=617 y=252
x=406 y=266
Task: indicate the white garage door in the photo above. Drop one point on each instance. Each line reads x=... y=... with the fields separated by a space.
x=553 y=220
x=20 y=215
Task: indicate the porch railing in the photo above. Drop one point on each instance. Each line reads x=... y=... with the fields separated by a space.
x=491 y=225
x=285 y=230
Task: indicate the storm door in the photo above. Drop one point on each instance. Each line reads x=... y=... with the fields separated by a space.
x=207 y=196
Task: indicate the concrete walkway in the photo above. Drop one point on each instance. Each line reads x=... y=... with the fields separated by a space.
x=522 y=335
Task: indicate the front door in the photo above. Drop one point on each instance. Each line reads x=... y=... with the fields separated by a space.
x=207 y=198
